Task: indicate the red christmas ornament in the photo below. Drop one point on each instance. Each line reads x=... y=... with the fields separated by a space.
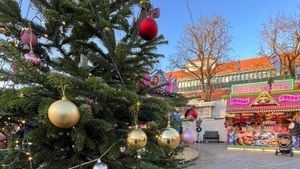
x=29 y=38
x=33 y=59
x=148 y=28
x=191 y=112
x=90 y=101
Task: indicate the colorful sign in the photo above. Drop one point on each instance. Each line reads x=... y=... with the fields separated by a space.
x=286 y=84
x=239 y=101
x=278 y=102
x=158 y=79
x=288 y=97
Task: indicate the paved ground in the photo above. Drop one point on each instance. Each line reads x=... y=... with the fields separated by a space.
x=217 y=156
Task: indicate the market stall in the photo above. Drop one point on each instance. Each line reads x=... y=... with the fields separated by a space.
x=257 y=112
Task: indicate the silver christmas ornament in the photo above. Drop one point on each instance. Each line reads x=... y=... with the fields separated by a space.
x=100 y=165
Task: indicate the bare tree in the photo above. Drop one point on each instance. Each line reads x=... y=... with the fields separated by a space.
x=281 y=35
x=201 y=50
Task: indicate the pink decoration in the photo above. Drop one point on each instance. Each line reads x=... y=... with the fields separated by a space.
x=188 y=136
x=90 y=101
x=260 y=87
x=170 y=84
x=29 y=38
x=191 y=112
x=33 y=59
x=289 y=97
x=13 y=67
x=146 y=79
x=155 y=13
x=3 y=141
x=148 y=28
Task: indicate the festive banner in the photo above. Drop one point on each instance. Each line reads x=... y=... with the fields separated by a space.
x=158 y=79
x=286 y=84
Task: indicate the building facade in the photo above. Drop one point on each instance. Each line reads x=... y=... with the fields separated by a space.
x=252 y=70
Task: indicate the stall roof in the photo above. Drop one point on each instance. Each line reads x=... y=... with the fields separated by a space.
x=204 y=104
x=261 y=109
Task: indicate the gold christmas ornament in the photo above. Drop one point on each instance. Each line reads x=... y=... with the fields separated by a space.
x=63 y=113
x=136 y=139
x=169 y=139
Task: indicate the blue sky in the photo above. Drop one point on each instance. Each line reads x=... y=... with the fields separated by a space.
x=245 y=17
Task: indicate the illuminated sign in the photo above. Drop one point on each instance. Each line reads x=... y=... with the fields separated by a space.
x=239 y=101
x=286 y=84
x=288 y=97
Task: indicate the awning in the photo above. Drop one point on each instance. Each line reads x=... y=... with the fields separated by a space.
x=204 y=104
x=264 y=109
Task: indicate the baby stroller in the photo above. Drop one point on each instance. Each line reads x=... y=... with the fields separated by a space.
x=285 y=144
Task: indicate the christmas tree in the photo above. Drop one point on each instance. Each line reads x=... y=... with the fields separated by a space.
x=73 y=94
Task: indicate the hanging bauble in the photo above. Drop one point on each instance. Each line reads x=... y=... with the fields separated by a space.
x=148 y=28
x=14 y=79
x=13 y=67
x=169 y=139
x=192 y=113
x=3 y=141
x=100 y=165
x=122 y=151
x=29 y=38
x=155 y=13
x=63 y=113
x=90 y=101
x=136 y=139
x=31 y=57
x=188 y=136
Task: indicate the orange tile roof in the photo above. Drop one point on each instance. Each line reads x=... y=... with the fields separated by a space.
x=231 y=67
x=215 y=95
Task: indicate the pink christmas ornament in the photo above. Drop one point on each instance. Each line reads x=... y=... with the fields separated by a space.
x=33 y=59
x=188 y=136
x=155 y=13
x=90 y=101
x=13 y=67
x=29 y=38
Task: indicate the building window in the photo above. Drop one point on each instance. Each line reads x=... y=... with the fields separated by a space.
x=264 y=74
x=234 y=77
x=226 y=79
x=242 y=77
x=254 y=75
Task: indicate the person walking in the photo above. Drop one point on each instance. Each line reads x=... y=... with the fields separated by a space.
x=295 y=130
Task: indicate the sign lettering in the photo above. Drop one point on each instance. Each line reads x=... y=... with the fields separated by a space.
x=286 y=84
x=288 y=97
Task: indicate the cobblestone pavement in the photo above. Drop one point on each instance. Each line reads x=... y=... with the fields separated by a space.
x=217 y=156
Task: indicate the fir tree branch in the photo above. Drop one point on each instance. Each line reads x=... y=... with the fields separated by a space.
x=88 y=162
